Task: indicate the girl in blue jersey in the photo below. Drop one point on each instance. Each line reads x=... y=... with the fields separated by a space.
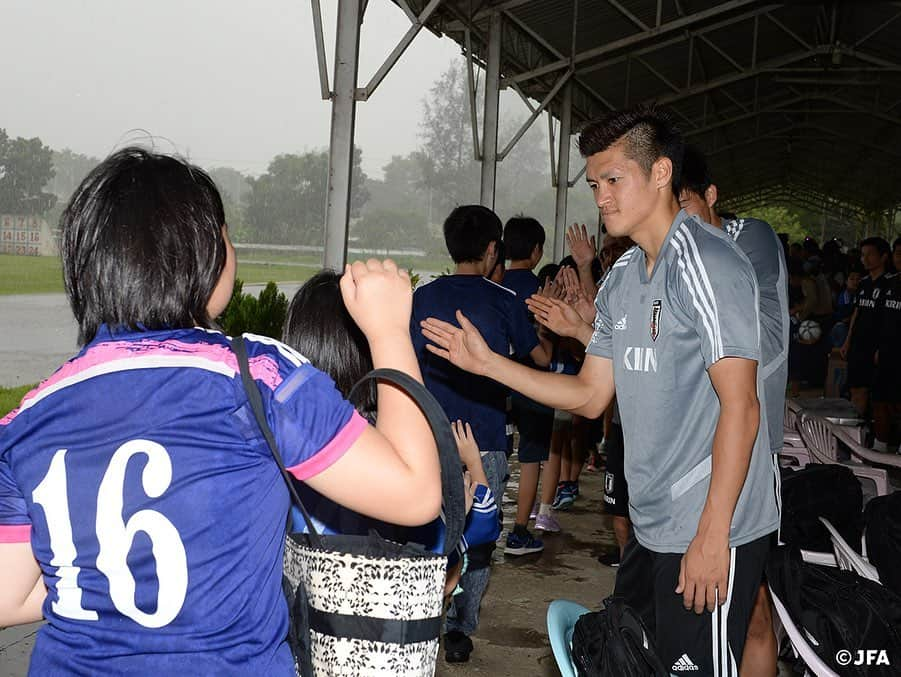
x=141 y=513
x=319 y=326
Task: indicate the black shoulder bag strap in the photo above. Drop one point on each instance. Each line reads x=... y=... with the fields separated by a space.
x=451 y=468
x=256 y=403
x=452 y=497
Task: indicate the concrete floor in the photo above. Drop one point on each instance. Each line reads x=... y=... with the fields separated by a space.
x=512 y=637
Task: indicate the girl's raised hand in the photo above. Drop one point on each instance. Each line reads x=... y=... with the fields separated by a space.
x=466 y=443
x=379 y=297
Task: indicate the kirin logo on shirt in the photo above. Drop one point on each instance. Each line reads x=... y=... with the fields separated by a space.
x=655 y=319
x=640 y=359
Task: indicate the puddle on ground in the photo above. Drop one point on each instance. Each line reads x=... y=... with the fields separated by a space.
x=515 y=637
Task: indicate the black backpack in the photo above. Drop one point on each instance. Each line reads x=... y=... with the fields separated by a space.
x=614 y=642
x=883 y=521
x=838 y=611
x=830 y=491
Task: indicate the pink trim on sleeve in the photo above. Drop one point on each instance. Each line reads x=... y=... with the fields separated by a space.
x=15 y=533
x=332 y=451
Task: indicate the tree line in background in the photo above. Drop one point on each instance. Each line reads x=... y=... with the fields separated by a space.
x=404 y=209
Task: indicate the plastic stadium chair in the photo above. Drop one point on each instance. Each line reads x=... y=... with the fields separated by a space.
x=820 y=439
x=790 y=435
x=847 y=559
x=824 y=559
x=794 y=456
x=561 y=620
x=815 y=664
x=864 y=454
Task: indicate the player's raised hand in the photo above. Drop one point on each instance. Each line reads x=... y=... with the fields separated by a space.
x=582 y=247
x=556 y=315
x=378 y=296
x=462 y=346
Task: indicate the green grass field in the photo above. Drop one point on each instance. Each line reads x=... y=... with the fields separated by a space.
x=30 y=274
x=43 y=274
x=10 y=398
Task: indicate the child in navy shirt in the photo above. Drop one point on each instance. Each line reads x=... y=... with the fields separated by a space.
x=471 y=233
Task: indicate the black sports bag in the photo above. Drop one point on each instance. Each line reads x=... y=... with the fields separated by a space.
x=830 y=491
x=839 y=612
x=883 y=521
x=614 y=642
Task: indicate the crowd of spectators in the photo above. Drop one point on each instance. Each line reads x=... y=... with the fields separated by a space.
x=843 y=304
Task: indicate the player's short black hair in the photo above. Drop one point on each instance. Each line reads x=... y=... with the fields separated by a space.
x=647 y=131
x=880 y=244
x=142 y=244
x=695 y=175
x=521 y=235
x=468 y=230
x=319 y=327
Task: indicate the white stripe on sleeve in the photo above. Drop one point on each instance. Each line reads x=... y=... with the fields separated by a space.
x=693 y=246
x=693 y=289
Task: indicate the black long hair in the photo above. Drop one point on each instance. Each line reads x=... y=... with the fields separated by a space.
x=319 y=327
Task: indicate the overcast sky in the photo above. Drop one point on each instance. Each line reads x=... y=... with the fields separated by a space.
x=228 y=82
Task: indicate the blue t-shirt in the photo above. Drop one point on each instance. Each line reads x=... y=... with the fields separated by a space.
x=501 y=319
x=153 y=505
x=522 y=281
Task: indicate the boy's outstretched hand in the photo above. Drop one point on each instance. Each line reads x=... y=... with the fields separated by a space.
x=379 y=297
x=558 y=316
x=462 y=346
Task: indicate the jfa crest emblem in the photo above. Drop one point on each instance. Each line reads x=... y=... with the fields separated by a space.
x=655 y=319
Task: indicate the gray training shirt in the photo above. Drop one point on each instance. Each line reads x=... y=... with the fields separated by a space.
x=662 y=334
x=761 y=245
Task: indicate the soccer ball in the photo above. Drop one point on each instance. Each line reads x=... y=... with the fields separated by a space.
x=810 y=331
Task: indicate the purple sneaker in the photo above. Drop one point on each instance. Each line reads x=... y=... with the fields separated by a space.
x=534 y=513
x=547 y=523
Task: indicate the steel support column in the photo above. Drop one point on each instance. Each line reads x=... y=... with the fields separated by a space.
x=492 y=105
x=341 y=143
x=566 y=116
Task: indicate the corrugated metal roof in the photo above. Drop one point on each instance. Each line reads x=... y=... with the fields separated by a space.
x=811 y=108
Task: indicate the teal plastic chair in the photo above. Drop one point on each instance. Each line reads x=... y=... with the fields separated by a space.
x=561 y=620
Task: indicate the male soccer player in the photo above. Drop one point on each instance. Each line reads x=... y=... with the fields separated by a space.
x=860 y=346
x=677 y=327
x=698 y=197
x=887 y=380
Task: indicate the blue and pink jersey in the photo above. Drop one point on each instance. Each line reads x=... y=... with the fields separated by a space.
x=153 y=505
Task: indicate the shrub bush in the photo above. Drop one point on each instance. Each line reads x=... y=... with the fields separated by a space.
x=246 y=314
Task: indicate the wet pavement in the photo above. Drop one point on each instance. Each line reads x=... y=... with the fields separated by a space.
x=38 y=334
x=512 y=636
